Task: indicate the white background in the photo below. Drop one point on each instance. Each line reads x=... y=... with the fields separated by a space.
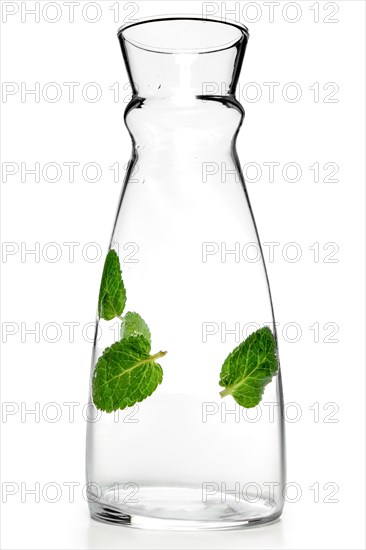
x=325 y=45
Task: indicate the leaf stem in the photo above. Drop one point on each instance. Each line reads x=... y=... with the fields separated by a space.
x=158 y=355
x=225 y=392
x=120 y=317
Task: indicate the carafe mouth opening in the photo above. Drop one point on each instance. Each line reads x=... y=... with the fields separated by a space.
x=189 y=34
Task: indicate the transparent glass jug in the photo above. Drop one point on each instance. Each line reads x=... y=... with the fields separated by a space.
x=185 y=388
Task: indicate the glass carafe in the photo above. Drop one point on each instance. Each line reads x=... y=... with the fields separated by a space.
x=187 y=425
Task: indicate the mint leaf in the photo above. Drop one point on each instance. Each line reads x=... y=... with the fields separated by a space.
x=112 y=293
x=134 y=325
x=249 y=368
x=125 y=374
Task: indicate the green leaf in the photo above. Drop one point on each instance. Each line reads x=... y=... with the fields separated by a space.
x=134 y=325
x=125 y=374
x=249 y=368
x=112 y=294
